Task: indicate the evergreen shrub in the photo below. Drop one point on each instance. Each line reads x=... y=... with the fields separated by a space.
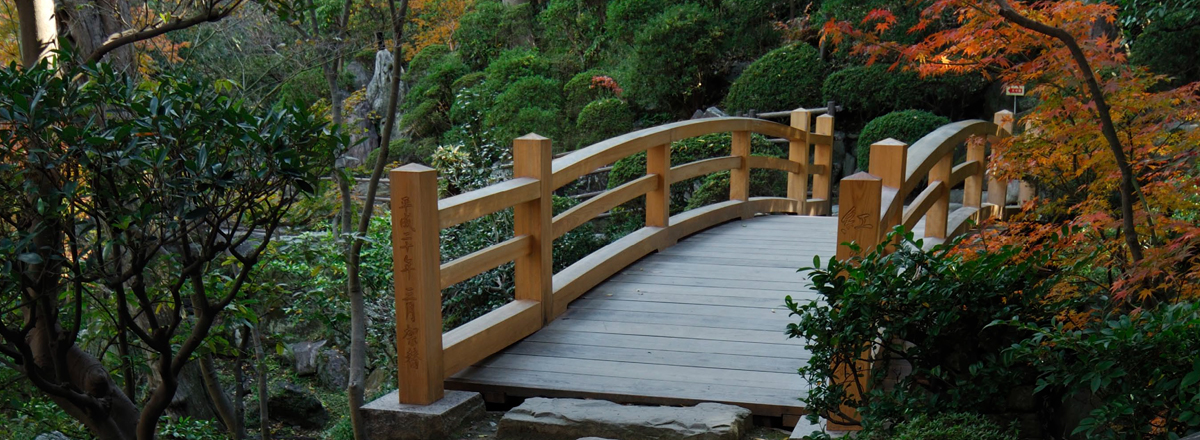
x=783 y=79
x=673 y=55
x=906 y=126
x=602 y=119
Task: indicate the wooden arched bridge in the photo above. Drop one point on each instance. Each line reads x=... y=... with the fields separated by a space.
x=688 y=308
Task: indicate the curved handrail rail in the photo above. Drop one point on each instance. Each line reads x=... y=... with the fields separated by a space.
x=584 y=160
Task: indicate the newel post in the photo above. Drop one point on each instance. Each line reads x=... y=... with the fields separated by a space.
x=822 y=187
x=798 y=152
x=858 y=222
x=739 y=178
x=998 y=189
x=937 y=218
x=532 y=156
x=658 y=201
x=416 y=263
x=889 y=161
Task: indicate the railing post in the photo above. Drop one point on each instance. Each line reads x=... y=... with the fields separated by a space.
x=798 y=152
x=739 y=178
x=532 y=156
x=822 y=187
x=658 y=202
x=973 y=186
x=858 y=222
x=997 y=189
x=937 y=218
x=416 y=261
x=889 y=161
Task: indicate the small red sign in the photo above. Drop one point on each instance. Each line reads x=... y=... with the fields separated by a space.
x=1014 y=90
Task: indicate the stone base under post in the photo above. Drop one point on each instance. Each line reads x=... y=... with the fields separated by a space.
x=387 y=419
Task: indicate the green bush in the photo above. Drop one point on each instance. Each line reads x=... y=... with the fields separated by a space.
x=427 y=104
x=1170 y=45
x=573 y=31
x=305 y=87
x=906 y=126
x=580 y=90
x=488 y=29
x=933 y=310
x=714 y=188
x=1142 y=370
x=783 y=79
x=514 y=64
x=954 y=426
x=423 y=60
x=603 y=119
x=624 y=18
x=672 y=60
x=867 y=92
x=528 y=105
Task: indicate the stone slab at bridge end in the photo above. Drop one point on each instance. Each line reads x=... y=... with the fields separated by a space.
x=388 y=419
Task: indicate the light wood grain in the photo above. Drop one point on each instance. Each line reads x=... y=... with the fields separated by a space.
x=490 y=333
x=739 y=178
x=774 y=163
x=858 y=216
x=582 y=161
x=800 y=119
x=699 y=168
x=973 y=184
x=658 y=200
x=416 y=256
x=963 y=173
x=935 y=217
x=917 y=209
x=474 y=204
x=532 y=156
x=591 y=270
x=603 y=202
x=483 y=260
x=822 y=140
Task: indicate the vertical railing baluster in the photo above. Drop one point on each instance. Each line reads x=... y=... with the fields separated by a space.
x=658 y=202
x=798 y=152
x=937 y=217
x=532 y=156
x=739 y=178
x=822 y=187
x=889 y=161
x=416 y=263
x=998 y=189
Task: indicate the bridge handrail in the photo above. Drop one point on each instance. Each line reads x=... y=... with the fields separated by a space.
x=872 y=203
x=427 y=356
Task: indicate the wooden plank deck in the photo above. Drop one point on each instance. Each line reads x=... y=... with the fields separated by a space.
x=702 y=321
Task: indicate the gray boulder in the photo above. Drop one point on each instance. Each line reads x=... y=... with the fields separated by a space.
x=333 y=370
x=304 y=354
x=296 y=406
x=571 y=419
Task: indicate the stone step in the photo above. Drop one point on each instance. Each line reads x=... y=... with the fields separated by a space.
x=572 y=419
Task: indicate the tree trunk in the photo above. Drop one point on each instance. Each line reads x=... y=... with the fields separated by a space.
x=39 y=32
x=1127 y=188
x=91 y=22
x=260 y=370
x=216 y=394
x=358 y=319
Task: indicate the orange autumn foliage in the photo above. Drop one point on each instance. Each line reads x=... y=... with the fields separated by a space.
x=1059 y=145
x=10 y=49
x=434 y=22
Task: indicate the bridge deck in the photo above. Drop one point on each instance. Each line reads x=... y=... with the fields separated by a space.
x=701 y=321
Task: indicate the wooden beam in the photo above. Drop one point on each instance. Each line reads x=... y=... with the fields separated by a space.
x=484 y=259
x=822 y=140
x=798 y=152
x=704 y=167
x=416 y=258
x=936 y=217
x=483 y=201
x=658 y=200
x=532 y=158
x=603 y=202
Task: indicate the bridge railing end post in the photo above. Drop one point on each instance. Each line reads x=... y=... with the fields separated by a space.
x=533 y=272
x=416 y=263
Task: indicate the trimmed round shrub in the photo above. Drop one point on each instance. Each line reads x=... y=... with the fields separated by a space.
x=529 y=105
x=423 y=60
x=514 y=64
x=581 y=90
x=602 y=119
x=906 y=126
x=867 y=92
x=673 y=57
x=783 y=79
x=427 y=103
x=714 y=188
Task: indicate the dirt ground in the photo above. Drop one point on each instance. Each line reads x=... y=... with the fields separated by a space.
x=486 y=429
